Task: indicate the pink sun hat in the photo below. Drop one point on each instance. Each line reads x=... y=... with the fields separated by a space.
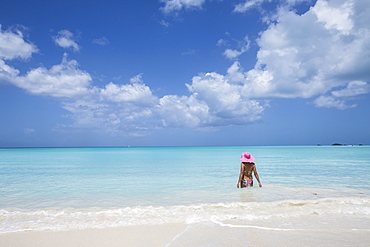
x=247 y=157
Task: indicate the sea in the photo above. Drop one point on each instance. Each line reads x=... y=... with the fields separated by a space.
x=322 y=188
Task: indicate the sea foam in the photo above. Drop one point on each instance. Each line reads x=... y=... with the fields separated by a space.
x=240 y=213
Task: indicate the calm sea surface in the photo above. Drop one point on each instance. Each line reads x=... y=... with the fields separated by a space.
x=48 y=188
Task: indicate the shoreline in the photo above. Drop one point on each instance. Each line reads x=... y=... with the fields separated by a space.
x=175 y=235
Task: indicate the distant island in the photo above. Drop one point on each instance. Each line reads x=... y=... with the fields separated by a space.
x=339 y=144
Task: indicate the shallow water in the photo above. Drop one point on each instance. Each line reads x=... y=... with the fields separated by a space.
x=77 y=188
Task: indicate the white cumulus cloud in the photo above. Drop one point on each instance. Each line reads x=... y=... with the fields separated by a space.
x=338 y=98
x=66 y=39
x=62 y=80
x=331 y=102
x=247 y=5
x=183 y=111
x=235 y=53
x=250 y=4
x=13 y=45
x=337 y=17
x=314 y=53
x=7 y=73
x=225 y=98
x=353 y=88
x=177 y=5
x=135 y=92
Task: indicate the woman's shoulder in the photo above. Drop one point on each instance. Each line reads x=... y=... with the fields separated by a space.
x=248 y=164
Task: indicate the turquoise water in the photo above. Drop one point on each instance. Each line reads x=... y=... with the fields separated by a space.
x=64 y=183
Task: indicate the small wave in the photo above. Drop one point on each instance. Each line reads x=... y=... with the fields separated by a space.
x=252 y=226
x=12 y=220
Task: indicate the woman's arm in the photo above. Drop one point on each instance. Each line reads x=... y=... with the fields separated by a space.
x=256 y=175
x=240 y=175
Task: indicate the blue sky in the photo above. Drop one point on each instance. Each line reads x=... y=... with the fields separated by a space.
x=184 y=72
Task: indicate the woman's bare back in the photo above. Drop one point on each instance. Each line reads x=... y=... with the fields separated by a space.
x=248 y=170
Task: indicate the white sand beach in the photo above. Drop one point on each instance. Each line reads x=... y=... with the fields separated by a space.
x=176 y=235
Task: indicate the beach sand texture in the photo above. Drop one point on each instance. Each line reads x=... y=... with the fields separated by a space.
x=176 y=235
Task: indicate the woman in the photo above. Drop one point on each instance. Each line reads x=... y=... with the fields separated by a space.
x=246 y=168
